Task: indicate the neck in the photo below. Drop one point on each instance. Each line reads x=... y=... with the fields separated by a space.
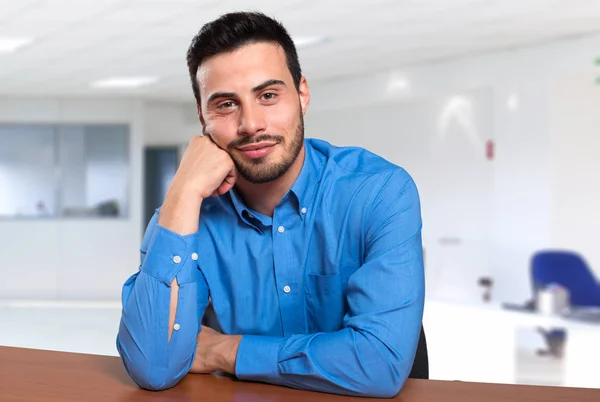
x=265 y=197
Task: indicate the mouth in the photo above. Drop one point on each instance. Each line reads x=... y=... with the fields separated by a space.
x=258 y=150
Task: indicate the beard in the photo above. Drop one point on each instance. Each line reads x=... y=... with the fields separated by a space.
x=258 y=171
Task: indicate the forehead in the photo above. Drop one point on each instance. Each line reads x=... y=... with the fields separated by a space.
x=246 y=66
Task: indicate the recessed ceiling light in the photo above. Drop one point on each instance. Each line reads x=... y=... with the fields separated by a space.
x=512 y=103
x=10 y=45
x=398 y=83
x=124 y=82
x=305 y=41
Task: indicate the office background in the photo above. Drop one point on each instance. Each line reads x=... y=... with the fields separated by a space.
x=492 y=106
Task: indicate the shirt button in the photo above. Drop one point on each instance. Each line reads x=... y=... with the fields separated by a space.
x=287 y=289
x=177 y=259
x=176 y=327
x=303 y=210
x=194 y=256
x=281 y=229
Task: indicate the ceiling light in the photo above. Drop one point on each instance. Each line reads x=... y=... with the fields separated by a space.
x=305 y=41
x=512 y=103
x=10 y=45
x=398 y=83
x=124 y=82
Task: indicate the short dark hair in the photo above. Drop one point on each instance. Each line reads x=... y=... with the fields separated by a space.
x=234 y=30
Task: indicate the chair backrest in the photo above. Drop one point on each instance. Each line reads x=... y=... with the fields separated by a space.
x=420 y=367
x=570 y=270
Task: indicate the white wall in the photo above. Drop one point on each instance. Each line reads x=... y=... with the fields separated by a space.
x=73 y=258
x=575 y=143
x=170 y=124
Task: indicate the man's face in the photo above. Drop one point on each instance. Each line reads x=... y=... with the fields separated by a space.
x=251 y=108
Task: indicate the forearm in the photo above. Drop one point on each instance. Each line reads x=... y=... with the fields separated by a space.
x=152 y=359
x=180 y=211
x=179 y=214
x=160 y=322
x=348 y=362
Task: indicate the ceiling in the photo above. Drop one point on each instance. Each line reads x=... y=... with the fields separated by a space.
x=76 y=42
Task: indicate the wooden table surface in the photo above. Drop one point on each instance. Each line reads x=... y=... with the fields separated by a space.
x=34 y=375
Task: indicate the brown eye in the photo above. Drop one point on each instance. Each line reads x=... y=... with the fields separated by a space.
x=226 y=105
x=269 y=96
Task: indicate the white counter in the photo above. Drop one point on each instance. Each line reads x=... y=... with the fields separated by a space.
x=472 y=342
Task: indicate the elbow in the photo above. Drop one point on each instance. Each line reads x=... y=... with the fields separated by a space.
x=384 y=382
x=149 y=373
x=378 y=388
x=152 y=379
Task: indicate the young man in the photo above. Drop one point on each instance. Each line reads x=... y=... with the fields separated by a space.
x=305 y=257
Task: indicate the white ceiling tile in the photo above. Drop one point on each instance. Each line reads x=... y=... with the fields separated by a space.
x=12 y=8
x=66 y=10
x=80 y=40
x=145 y=13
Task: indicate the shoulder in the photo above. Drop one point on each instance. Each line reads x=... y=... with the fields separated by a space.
x=361 y=165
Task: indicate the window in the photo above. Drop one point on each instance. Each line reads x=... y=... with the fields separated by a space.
x=64 y=170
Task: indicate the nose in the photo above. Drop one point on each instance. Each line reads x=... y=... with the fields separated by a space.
x=252 y=120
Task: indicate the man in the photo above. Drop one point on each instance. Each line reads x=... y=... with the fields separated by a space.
x=305 y=257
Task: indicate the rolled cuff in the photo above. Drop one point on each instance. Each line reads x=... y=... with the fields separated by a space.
x=257 y=358
x=170 y=255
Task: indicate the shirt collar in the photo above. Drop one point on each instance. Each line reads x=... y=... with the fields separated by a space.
x=250 y=217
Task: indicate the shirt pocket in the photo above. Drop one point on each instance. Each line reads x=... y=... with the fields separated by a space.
x=325 y=302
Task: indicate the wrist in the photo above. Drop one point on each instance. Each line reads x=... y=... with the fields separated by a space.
x=226 y=353
x=180 y=211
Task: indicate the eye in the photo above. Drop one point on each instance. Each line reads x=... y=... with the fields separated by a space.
x=226 y=105
x=268 y=96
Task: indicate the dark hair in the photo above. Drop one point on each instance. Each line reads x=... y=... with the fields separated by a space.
x=234 y=30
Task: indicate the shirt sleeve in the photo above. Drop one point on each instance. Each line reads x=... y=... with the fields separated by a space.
x=373 y=353
x=150 y=359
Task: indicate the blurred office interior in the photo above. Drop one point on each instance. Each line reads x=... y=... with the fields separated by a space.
x=493 y=106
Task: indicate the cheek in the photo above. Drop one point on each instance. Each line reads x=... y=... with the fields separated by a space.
x=221 y=131
x=285 y=119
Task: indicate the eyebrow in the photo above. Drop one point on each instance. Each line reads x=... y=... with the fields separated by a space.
x=258 y=88
x=266 y=84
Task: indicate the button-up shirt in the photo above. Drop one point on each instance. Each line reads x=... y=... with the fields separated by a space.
x=328 y=293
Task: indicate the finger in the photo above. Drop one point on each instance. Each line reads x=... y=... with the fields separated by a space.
x=229 y=182
x=224 y=188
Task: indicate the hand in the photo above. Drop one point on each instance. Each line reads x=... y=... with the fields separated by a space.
x=205 y=170
x=215 y=352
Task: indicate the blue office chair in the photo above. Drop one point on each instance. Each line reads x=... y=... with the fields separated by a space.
x=570 y=270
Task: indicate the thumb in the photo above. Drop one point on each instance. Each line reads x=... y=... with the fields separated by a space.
x=228 y=183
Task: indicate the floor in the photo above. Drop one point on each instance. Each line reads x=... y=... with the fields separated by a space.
x=92 y=328
x=81 y=327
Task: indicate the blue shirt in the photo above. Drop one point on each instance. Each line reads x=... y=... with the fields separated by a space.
x=328 y=293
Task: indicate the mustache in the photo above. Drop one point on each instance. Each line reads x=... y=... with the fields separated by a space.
x=253 y=140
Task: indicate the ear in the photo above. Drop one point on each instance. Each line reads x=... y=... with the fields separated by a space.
x=200 y=117
x=304 y=94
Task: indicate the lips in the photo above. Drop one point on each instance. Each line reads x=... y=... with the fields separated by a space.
x=259 y=150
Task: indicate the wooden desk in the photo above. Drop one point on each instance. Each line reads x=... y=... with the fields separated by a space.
x=28 y=375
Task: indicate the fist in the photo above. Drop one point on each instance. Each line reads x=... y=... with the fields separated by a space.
x=205 y=169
